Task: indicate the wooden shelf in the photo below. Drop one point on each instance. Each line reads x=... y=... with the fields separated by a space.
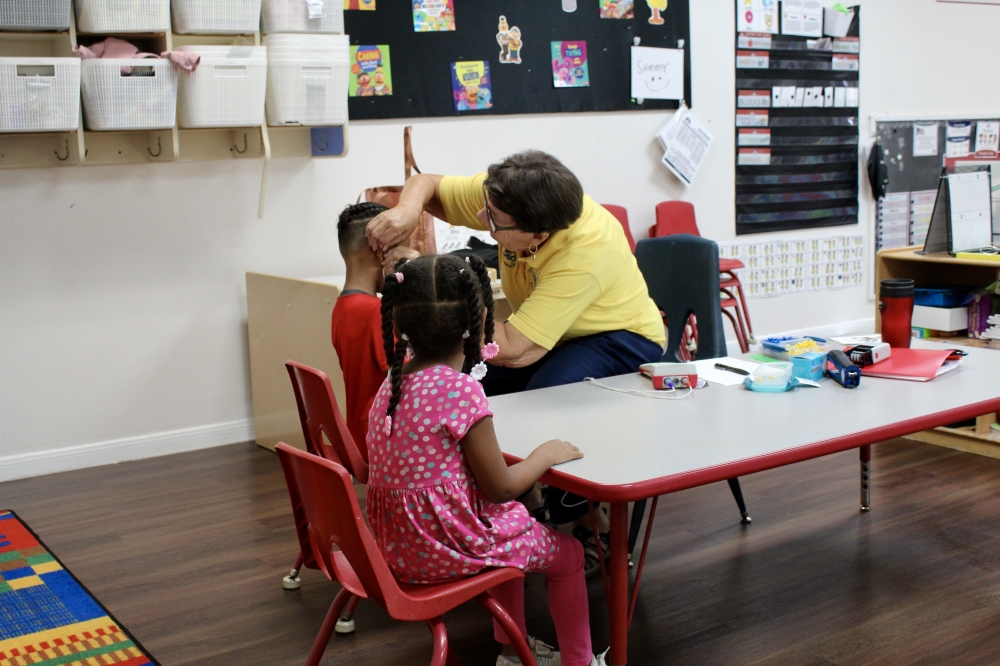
x=944 y=269
x=90 y=148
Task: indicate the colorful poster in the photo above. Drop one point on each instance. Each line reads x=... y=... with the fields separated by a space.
x=371 y=71
x=360 y=4
x=569 y=65
x=433 y=15
x=617 y=9
x=470 y=85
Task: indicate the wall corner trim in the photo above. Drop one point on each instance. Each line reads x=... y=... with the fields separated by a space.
x=38 y=463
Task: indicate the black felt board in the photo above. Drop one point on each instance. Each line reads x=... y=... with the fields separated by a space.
x=812 y=180
x=421 y=62
x=906 y=172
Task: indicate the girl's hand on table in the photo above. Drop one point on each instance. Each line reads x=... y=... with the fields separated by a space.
x=557 y=451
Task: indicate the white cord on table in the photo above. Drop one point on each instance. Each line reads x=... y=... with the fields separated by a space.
x=659 y=395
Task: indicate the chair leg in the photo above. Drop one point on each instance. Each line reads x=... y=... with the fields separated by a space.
x=743 y=305
x=440 y=633
x=734 y=485
x=292 y=580
x=744 y=347
x=509 y=627
x=345 y=625
x=638 y=511
x=325 y=631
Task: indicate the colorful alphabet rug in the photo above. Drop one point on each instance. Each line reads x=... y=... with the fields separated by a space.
x=47 y=618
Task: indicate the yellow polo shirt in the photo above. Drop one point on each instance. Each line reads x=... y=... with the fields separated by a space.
x=582 y=281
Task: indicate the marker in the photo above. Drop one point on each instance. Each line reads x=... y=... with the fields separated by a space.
x=728 y=368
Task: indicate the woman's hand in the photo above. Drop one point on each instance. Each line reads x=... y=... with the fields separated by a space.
x=557 y=451
x=393 y=226
x=390 y=257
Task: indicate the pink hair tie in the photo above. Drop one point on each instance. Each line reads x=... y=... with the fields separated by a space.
x=490 y=350
x=387 y=428
x=461 y=271
x=399 y=277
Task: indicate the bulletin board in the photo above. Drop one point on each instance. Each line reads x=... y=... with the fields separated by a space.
x=796 y=165
x=914 y=152
x=421 y=61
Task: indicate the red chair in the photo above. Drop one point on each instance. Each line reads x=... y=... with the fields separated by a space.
x=319 y=415
x=677 y=217
x=622 y=216
x=328 y=516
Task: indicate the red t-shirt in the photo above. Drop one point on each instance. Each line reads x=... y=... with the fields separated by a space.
x=356 y=329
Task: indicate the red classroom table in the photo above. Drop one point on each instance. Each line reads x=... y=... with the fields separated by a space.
x=640 y=448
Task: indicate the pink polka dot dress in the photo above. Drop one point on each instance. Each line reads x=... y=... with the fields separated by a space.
x=429 y=517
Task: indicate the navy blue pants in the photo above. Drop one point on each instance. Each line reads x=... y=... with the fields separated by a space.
x=598 y=356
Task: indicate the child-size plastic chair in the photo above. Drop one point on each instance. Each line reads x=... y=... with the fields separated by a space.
x=320 y=415
x=677 y=217
x=682 y=278
x=330 y=516
x=622 y=216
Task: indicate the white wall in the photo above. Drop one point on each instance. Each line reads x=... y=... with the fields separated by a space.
x=122 y=304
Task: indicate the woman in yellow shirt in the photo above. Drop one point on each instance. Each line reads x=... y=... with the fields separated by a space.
x=580 y=305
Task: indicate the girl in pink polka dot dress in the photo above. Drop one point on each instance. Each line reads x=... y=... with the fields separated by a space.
x=439 y=492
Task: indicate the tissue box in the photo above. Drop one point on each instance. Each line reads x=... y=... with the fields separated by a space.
x=809 y=365
x=940 y=319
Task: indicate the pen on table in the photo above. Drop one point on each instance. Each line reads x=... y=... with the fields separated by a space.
x=729 y=368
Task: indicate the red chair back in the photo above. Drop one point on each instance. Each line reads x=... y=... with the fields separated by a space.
x=675 y=217
x=622 y=216
x=320 y=415
x=332 y=517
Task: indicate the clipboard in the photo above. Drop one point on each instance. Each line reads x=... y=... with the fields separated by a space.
x=964 y=209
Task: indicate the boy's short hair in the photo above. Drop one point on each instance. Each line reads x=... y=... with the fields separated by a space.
x=352 y=223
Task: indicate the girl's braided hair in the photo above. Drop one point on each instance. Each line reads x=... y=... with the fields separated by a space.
x=439 y=298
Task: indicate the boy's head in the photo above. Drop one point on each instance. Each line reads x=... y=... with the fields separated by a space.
x=351 y=228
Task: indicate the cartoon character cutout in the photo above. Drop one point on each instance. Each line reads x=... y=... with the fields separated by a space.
x=564 y=71
x=503 y=39
x=365 y=87
x=380 y=87
x=657 y=6
x=514 y=45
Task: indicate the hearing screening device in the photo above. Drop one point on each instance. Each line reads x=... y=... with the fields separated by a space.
x=666 y=376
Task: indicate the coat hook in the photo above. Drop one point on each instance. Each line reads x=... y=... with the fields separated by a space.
x=159 y=148
x=63 y=159
x=244 y=145
x=317 y=147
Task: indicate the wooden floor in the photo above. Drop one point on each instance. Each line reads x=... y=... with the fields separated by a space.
x=188 y=552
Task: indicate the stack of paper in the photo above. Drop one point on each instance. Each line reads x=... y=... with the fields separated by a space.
x=921 y=209
x=685 y=143
x=893 y=221
x=993 y=332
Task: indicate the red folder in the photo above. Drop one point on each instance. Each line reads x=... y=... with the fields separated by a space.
x=919 y=365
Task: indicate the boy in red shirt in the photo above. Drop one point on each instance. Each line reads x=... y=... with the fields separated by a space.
x=356 y=326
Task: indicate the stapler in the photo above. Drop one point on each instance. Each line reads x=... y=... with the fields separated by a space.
x=842 y=370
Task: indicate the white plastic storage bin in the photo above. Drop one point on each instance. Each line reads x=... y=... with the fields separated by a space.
x=39 y=94
x=216 y=17
x=227 y=90
x=115 y=101
x=37 y=15
x=122 y=15
x=307 y=79
x=293 y=16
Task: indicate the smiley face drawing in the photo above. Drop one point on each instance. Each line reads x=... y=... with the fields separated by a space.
x=656 y=81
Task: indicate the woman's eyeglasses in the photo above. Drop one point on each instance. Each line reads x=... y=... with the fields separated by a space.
x=494 y=227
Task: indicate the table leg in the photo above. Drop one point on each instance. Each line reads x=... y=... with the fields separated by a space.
x=618 y=599
x=866 y=488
